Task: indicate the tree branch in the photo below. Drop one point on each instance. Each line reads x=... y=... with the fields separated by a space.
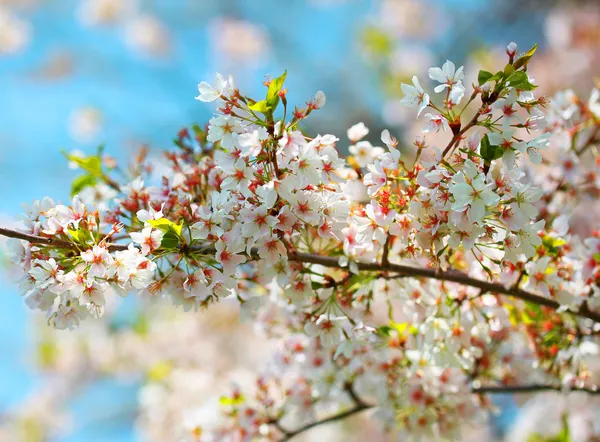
x=58 y=243
x=360 y=405
x=451 y=276
x=332 y=262
x=532 y=388
x=457 y=137
x=336 y=417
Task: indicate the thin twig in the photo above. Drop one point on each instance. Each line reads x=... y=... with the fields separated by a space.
x=360 y=405
x=532 y=388
x=334 y=418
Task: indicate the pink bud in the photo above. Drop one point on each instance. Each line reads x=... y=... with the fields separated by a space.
x=511 y=49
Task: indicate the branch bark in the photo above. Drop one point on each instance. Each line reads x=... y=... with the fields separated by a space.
x=332 y=262
x=532 y=388
x=360 y=405
x=58 y=243
x=450 y=276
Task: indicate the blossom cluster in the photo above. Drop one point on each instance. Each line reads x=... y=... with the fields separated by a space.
x=396 y=280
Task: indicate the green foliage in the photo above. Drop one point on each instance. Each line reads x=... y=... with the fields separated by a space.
x=522 y=61
x=268 y=105
x=377 y=41
x=552 y=245
x=488 y=151
x=232 y=401
x=81 y=182
x=78 y=235
x=520 y=80
x=172 y=231
x=563 y=436
x=485 y=76
x=92 y=165
x=166 y=225
x=397 y=328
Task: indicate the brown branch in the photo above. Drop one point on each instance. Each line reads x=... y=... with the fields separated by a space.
x=360 y=405
x=457 y=137
x=334 y=418
x=55 y=242
x=332 y=262
x=451 y=276
x=532 y=388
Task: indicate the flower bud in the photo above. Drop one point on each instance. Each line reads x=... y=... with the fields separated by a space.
x=319 y=100
x=511 y=50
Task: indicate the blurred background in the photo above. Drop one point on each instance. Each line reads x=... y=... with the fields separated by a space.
x=78 y=73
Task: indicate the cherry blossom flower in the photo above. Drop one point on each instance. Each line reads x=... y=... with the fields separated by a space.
x=357 y=132
x=149 y=238
x=415 y=95
x=210 y=93
x=447 y=75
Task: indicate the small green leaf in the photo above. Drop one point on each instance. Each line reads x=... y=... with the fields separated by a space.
x=508 y=70
x=377 y=41
x=92 y=165
x=400 y=327
x=260 y=106
x=160 y=371
x=384 y=330
x=232 y=401
x=169 y=241
x=524 y=59
x=520 y=80
x=483 y=77
x=77 y=235
x=497 y=76
x=274 y=88
x=166 y=225
x=316 y=285
x=488 y=151
x=141 y=325
x=81 y=182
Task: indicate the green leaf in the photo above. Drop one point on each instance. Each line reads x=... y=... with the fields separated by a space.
x=160 y=371
x=488 y=151
x=384 y=330
x=81 y=182
x=524 y=59
x=78 y=235
x=484 y=77
x=316 y=285
x=597 y=257
x=553 y=244
x=400 y=327
x=520 y=80
x=141 y=325
x=166 y=225
x=232 y=401
x=274 y=88
x=497 y=76
x=508 y=70
x=92 y=165
x=563 y=436
x=169 y=241
x=377 y=41
x=260 y=106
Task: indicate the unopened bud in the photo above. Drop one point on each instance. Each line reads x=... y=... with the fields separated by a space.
x=320 y=100
x=511 y=49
